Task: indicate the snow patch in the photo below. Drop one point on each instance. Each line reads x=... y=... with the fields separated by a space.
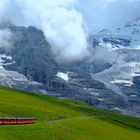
x=100 y=99
x=1 y=67
x=94 y=93
x=63 y=76
x=126 y=82
x=43 y=91
x=133 y=95
x=9 y=57
x=11 y=78
x=116 y=108
x=3 y=58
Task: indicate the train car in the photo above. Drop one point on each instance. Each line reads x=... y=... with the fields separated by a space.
x=17 y=121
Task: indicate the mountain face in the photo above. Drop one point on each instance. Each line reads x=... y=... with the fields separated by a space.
x=124 y=74
x=126 y=36
x=110 y=79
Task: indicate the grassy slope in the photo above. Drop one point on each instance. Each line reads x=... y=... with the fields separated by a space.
x=62 y=119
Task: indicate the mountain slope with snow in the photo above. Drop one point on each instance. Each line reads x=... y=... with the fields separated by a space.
x=109 y=79
x=124 y=75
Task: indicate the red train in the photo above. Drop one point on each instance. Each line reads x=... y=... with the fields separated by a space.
x=17 y=121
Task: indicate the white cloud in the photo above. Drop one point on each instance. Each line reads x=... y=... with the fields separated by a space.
x=62 y=24
x=63 y=21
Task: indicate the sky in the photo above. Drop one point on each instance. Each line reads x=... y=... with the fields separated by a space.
x=109 y=14
x=68 y=23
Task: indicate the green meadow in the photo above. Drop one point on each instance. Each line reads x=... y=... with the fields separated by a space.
x=62 y=119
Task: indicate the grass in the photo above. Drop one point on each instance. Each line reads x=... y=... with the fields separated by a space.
x=62 y=119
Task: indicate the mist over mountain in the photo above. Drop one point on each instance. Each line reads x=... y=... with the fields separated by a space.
x=62 y=24
x=68 y=23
